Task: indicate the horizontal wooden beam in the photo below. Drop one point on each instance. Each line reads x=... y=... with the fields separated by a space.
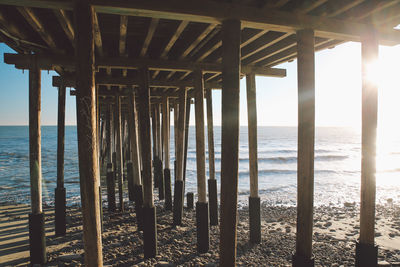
x=214 y=12
x=49 y=62
x=132 y=82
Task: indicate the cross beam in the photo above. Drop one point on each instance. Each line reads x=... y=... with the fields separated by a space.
x=49 y=62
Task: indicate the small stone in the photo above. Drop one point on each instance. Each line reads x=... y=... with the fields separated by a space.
x=69 y=257
x=383 y=263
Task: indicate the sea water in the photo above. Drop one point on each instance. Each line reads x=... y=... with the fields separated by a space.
x=337 y=165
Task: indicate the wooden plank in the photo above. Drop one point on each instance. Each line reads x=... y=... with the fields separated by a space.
x=35 y=157
x=149 y=36
x=123 y=28
x=66 y=24
x=200 y=144
x=369 y=51
x=230 y=140
x=173 y=39
x=252 y=133
x=145 y=139
x=274 y=20
x=38 y=26
x=98 y=42
x=214 y=12
x=210 y=135
x=305 y=147
x=86 y=124
x=199 y=38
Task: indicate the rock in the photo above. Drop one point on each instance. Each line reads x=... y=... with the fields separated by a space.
x=69 y=257
x=349 y=204
x=327 y=224
x=164 y=264
x=383 y=263
x=392 y=235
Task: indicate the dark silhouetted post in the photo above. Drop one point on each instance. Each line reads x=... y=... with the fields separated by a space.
x=305 y=147
x=230 y=139
x=60 y=195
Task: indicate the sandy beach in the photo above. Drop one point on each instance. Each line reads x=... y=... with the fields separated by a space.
x=335 y=232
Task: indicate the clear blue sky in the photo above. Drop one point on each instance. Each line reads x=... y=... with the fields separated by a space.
x=338 y=92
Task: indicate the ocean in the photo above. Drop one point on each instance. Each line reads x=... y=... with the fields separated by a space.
x=337 y=165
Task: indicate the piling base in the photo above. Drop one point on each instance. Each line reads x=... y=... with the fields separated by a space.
x=189 y=200
x=301 y=261
x=366 y=255
x=60 y=210
x=161 y=186
x=149 y=232
x=37 y=239
x=203 y=235
x=138 y=194
x=129 y=168
x=255 y=220
x=178 y=203
x=111 y=191
x=155 y=172
x=213 y=200
x=168 y=193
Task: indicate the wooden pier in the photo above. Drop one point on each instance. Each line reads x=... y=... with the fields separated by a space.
x=131 y=62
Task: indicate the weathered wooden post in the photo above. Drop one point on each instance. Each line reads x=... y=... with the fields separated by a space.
x=155 y=144
x=212 y=182
x=187 y=119
x=137 y=181
x=202 y=213
x=86 y=124
x=60 y=195
x=366 y=251
x=120 y=164
x=254 y=199
x=37 y=236
x=110 y=171
x=231 y=29
x=305 y=147
x=179 y=184
x=149 y=211
x=159 y=166
x=166 y=144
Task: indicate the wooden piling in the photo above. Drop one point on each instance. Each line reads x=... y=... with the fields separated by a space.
x=132 y=117
x=231 y=30
x=155 y=144
x=120 y=164
x=86 y=125
x=366 y=251
x=166 y=145
x=179 y=184
x=149 y=213
x=212 y=183
x=305 y=147
x=159 y=166
x=60 y=194
x=254 y=200
x=37 y=237
x=202 y=213
x=187 y=119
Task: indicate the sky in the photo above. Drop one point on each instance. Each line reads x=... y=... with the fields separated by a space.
x=338 y=92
